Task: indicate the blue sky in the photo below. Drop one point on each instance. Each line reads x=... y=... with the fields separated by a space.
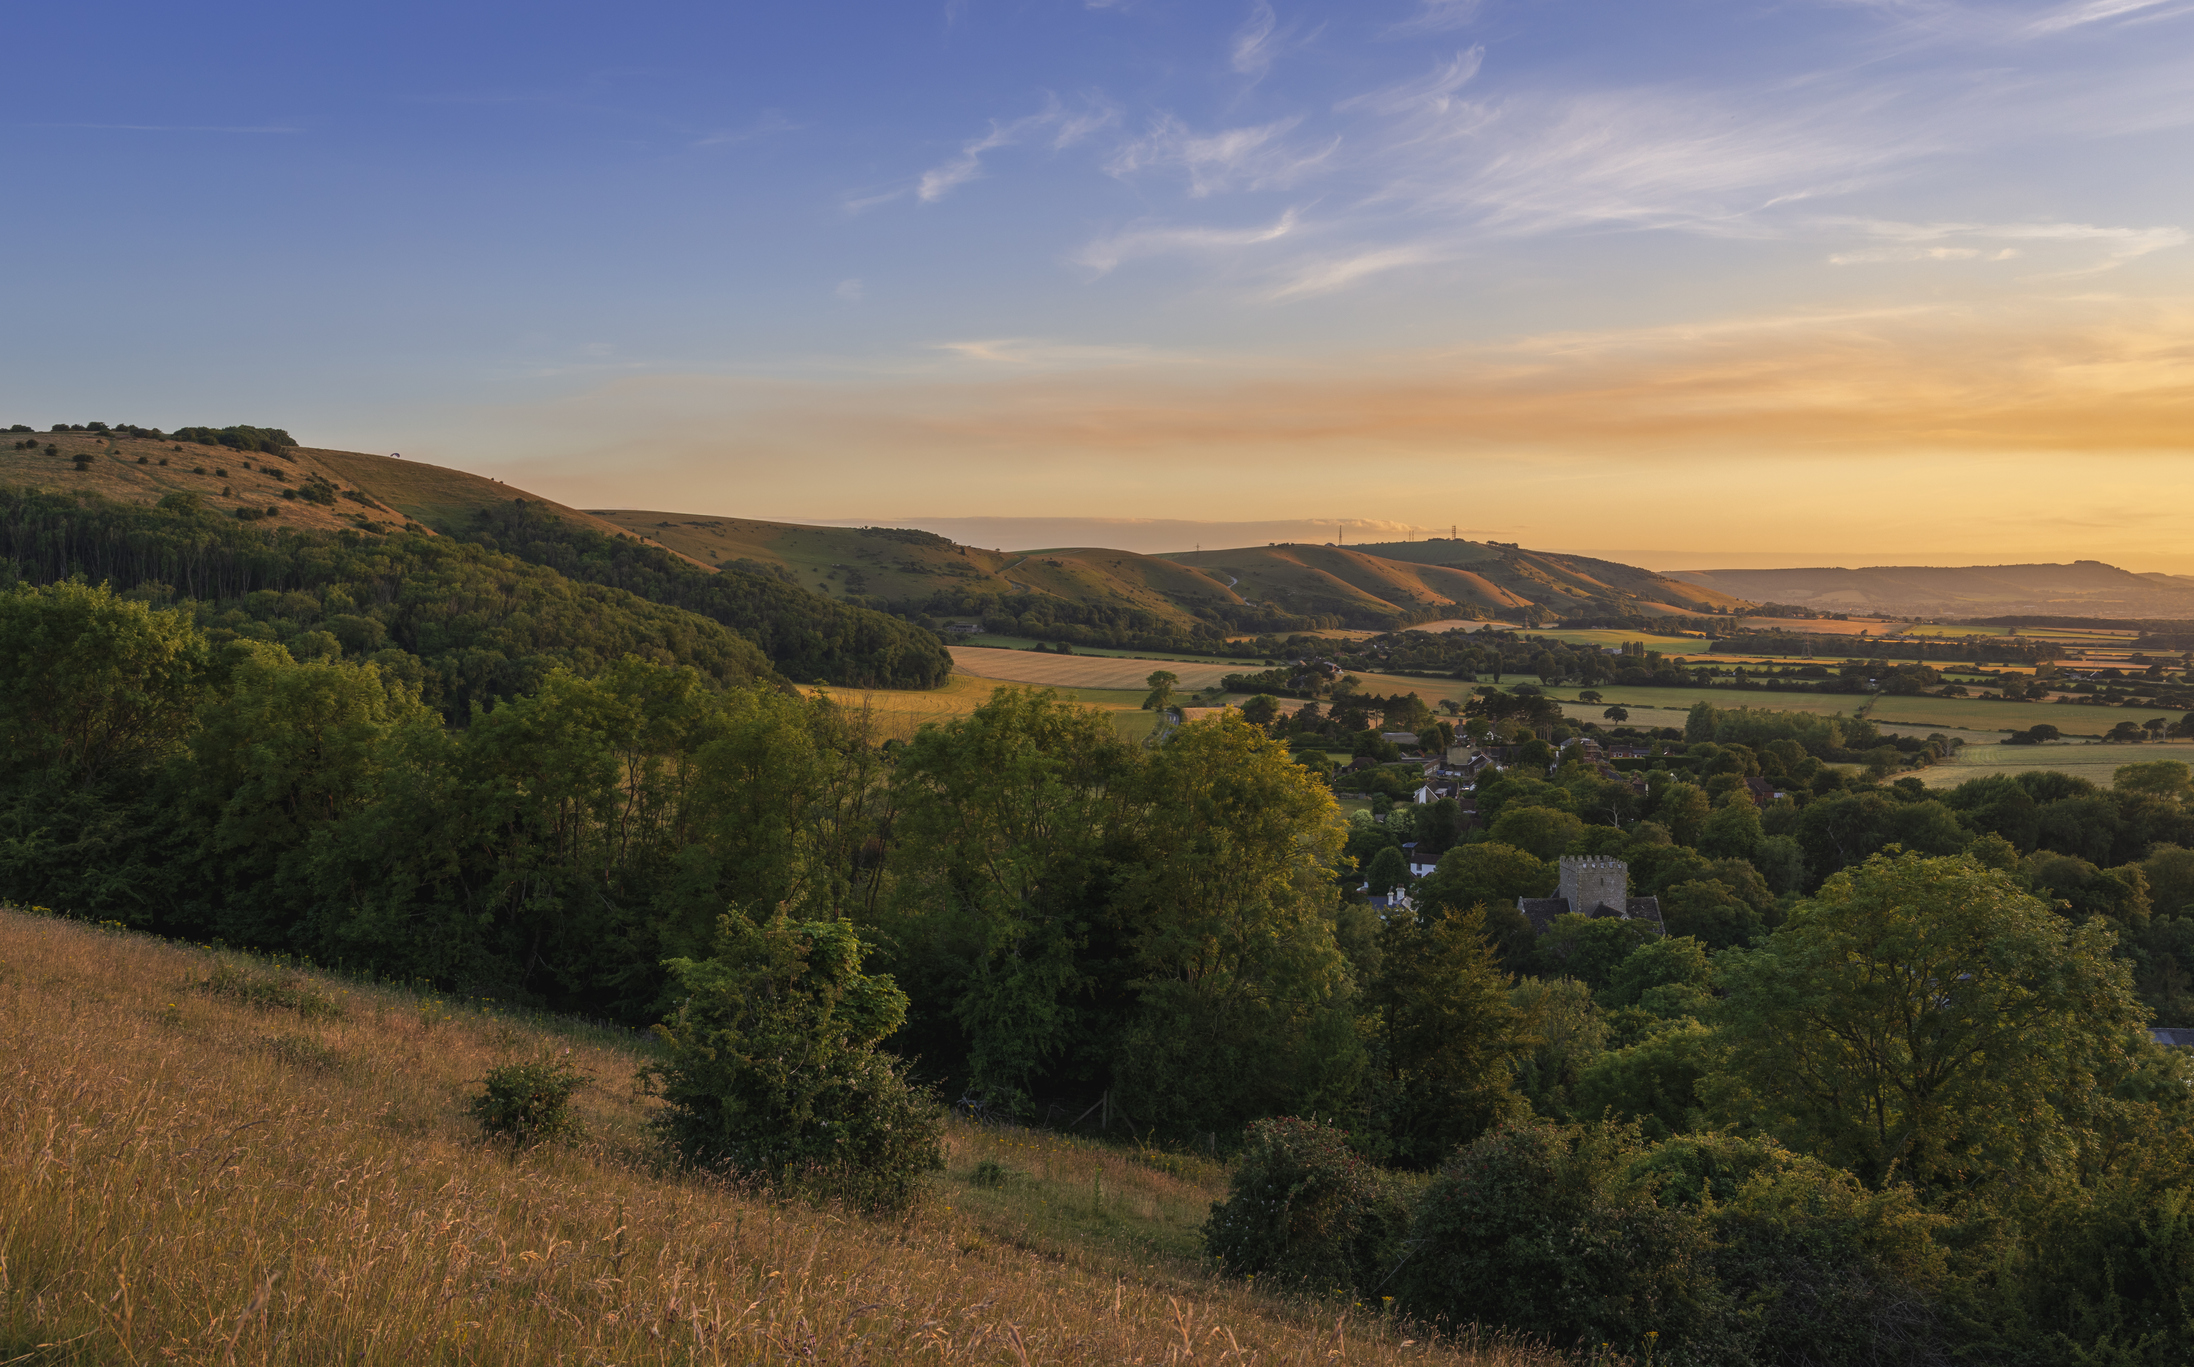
x=1591 y=275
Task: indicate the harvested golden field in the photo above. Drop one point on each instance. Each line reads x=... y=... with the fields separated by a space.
x=896 y=714
x=1087 y=671
x=188 y=1177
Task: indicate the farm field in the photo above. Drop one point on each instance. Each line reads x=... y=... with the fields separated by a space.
x=1608 y=636
x=1679 y=700
x=898 y=714
x=267 y=1186
x=2093 y=762
x=1982 y=714
x=1087 y=671
x=984 y=638
x=1827 y=626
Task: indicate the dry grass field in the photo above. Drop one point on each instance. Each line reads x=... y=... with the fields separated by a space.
x=1125 y=673
x=897 y=714
x=190 y=1178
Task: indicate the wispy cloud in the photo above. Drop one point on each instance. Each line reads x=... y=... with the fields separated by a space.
x=1432 y=94
x=1045 y=354
x=1252 y=158
x=1436 y=16
x=1054 y=125
x=172 y=127
x=850 y=291
x=2107 y=247
x=2084 y=12
x=1254 y=49
x=1107 y=253
x=1305 y=278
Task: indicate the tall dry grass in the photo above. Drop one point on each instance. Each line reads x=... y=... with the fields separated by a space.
x=194 y=1178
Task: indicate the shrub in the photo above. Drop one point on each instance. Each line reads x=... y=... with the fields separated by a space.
x=1813 y=1267
x=1548 y=1231
x=1304 y=1209
x=529 y=1102
x=774 y=1070
x=269 y=994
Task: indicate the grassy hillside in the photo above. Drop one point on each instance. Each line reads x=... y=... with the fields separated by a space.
x=1387 y=583
x=328 y=491
x=900 y=566
x=1564 y=583
x=186 y=1176
x=1362 y=589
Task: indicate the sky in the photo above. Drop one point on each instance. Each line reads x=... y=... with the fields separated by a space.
x=1686 y=284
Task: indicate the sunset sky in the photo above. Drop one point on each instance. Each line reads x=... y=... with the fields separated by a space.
x=1687 y=284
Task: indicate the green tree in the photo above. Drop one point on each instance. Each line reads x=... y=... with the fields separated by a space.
x=773 y=1068
x=1732 y=831
x=2168 y=779
x=1003 y=822
x=1161 y=684
x=1926 y=1018
x=1541 y=831
x=1261 y=710
x=1684 y=809
x=1490 y=872
x=1449 y=1038
x=1244 y=1004
x=1389 y=871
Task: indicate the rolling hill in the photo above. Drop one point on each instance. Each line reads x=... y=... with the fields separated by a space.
x=809 y=636
x=1386 y=584
x=1376 y=587
x=371 y=493
x=2084 y=588
x=897 y=565
x=1115 y=593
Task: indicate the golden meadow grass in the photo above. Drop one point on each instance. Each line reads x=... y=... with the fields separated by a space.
x=216 y=1177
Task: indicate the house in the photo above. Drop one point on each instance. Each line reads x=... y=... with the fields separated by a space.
x=1591 y=885
x=2176 y=1037
x=1408 y=738
x=1762 y=791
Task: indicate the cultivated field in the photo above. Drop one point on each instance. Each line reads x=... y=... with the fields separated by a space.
x=898 y=714
x=2093 y=762
x=1088 y=671
x=1825 y=626
x=188 y=1178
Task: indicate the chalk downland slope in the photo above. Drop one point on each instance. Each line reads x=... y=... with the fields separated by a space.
x=1381 y=585
x=190 y=1177
x=372 y=493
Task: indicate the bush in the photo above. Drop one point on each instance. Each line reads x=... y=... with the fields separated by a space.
x=1548 y=1232
x=774 y=1070
x=529 y=1102
x=269 y=994
x=1303 y=1209
x=1813 y=1267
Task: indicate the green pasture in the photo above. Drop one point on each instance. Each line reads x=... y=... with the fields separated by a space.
x=2091 y=760
x=1179 y=657
x=1988 y=714
x=1605 y=636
